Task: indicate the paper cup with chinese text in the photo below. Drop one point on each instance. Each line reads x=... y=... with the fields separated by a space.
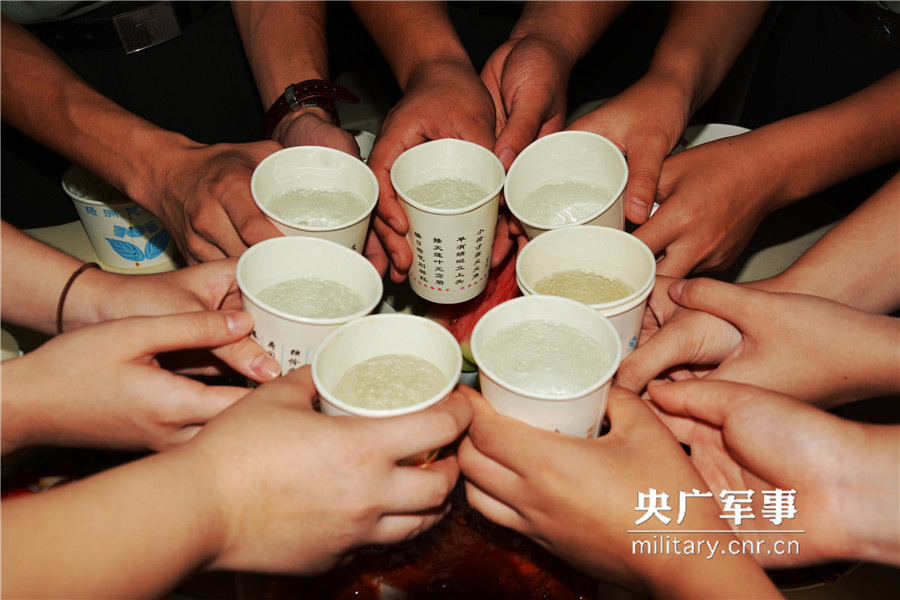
x=311 y=264
x=450 y=192
x=548 y=361
x=315 y=191
x=123 y=235
x=608 y=269
x=567 y=178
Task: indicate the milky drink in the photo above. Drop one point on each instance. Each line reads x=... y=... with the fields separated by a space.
x=584 y=285
x=312 y=298
x=447 y=193
x=559 y=204
x=317 y=208
x=390 y=381
x=545 y=357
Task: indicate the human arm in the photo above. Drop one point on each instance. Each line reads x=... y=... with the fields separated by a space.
x=713 y=196
x=34 y=275
x=102 y=386
x=443 y=97
x=844 y=473
x=269 y=486
x=539 y=483
x=811 y=348
x=528 y=75
x=201 y=193
x=286 y=43
x=646 y=121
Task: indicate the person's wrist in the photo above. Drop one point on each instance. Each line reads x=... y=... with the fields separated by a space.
x=86 y=297
x=279 y=134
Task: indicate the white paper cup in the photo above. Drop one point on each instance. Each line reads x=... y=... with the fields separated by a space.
x=378 y=335
x=579 y=413
x=290 y=339
x=568 y=157
x=317 y=168
x=123 y=235
x=451 y=247
x=602 y=250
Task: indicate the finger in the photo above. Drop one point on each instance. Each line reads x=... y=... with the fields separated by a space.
x=392 y=529
x=251 y=225
x=249 y=359
x=294 y=389
x=493 y=509
x=421 y=432
x=657 y=233
x=503 y=242
x=667 y=348
x=201 y=329
x=521 y=129
x=375 y=252
x=706 y=400
x=727 y=301
x=644 y=167
x=397 y=249
x=413 y=489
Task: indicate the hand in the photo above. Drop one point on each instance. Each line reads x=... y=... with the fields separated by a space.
x=202 y=196
x=772 y=340
x=646 y=122
x=444 y=99
x=202 y=287
x=539 y=483
x=335 y=485
x=712 y=198
x=844 y=473
x=306 y=128
x=527 y=78
x=102 y=386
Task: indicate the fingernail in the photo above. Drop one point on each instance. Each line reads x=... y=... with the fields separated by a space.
x=265 y=367
x=677 y=289
x=657 y=382
x=238 y=321
x=395 y=259
x=506 y=157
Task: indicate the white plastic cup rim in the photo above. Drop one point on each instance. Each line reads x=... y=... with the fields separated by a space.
x=278 y=154
x=469 y=146
x=309 y=242
x=536 y=145
x=352 y=409
x=609 y=309
x=564 y=305
x=74 y=171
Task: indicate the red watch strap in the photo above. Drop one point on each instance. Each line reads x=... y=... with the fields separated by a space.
x=321 y=91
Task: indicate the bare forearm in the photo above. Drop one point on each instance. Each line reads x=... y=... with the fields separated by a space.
x=83 y=125
x=131 y=532
x=411 y=34
x=701 y=43
x=857 y=262
x=285 y=43
x=33 y=277
x=574 y=26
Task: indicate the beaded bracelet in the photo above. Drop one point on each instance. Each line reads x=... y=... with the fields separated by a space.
x=62 y=296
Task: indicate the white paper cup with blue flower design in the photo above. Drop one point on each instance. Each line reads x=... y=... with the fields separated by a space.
x=124 y=236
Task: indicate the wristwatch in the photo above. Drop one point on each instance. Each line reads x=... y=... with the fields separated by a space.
x=312 y=92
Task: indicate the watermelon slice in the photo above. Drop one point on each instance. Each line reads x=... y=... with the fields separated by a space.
x=461 y=318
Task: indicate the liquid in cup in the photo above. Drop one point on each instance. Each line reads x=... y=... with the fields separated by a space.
x=584 y=285
x=390 y=381
x=313 y=298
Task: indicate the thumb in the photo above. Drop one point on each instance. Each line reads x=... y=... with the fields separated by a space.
x=202 y=329
x=727 y=301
